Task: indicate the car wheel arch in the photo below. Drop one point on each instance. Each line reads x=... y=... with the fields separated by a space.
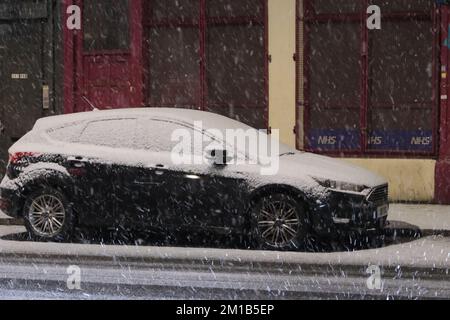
x=279 y=189
x=292 y=193
x=53 y=179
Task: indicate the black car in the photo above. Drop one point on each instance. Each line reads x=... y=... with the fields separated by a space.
x=116 y=169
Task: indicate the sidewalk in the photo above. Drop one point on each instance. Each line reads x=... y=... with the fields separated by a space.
x=8 y=221
x=431 y=219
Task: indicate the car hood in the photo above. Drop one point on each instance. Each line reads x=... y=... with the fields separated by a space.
x=314 y=166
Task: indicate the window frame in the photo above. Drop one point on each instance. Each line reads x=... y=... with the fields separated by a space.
x=89 y=122
x=97 y=52
x=76 y=135
x=308 y=14
x=202 y=25
x=188 y=126
x=143 y=121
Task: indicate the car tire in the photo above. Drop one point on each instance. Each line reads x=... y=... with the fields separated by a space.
x=48 y=215
x=279 y=222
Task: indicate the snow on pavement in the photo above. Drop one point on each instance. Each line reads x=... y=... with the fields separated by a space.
x=426 y=217
x=429 y=252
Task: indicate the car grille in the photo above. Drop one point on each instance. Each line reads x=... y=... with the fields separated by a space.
x=379 y=195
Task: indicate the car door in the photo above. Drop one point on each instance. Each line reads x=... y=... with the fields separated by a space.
x=93 y=190
x=186 y=194
x=145 y=187
x=211 y=197
x=102 y=150
x=139 y=191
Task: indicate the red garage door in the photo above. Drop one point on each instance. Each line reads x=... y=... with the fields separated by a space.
x=208 y=55
x=370 y=91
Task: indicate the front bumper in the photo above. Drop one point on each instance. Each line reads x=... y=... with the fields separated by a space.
x=347 y=212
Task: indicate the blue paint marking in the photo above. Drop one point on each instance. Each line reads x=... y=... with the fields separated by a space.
x=400 y=140
x=334 y=139
x=392 y=140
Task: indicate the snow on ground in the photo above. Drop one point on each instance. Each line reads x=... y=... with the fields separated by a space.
x=426 y=217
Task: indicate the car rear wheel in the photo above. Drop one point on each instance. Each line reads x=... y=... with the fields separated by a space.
x=48 y=215
x=279 y=222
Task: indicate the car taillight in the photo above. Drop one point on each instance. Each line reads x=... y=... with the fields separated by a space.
x=17 y=157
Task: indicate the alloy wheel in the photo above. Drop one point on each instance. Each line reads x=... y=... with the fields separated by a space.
x=278 y=223
x=47 y=215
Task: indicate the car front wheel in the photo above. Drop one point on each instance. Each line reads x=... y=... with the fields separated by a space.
x=48 y=215
x=279 y=222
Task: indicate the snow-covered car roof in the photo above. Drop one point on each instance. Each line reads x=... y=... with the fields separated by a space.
x=209 y=120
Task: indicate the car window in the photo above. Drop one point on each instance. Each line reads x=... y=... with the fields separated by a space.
x=66 y=133
x=115 y=133
x=164 y=136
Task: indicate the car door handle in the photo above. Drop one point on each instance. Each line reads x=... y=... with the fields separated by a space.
x=146 y=182
x=158 y=170
x=78 y=162
x=142 y=181
x=78 y=159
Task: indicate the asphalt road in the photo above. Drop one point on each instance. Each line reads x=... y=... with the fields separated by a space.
x=49 y=281
x=28 y=277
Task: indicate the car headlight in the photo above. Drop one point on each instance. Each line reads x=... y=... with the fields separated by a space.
x=341 y=186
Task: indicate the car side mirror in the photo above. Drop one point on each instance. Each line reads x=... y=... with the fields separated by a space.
x=218 y=157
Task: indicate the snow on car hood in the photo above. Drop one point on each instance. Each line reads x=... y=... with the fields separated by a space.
x=326 y=168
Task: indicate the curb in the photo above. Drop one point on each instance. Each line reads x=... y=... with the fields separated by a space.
x=407 y=230
x=397 y=261
x=204 y=260
x=431 y=232
x=11 y=222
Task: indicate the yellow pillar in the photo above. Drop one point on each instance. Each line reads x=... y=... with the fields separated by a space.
x=409 y=179
x=282 y=68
